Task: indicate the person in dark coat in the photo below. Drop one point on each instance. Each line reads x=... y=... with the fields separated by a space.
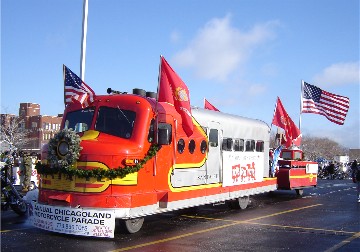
x=331 y=170
x=355 y=174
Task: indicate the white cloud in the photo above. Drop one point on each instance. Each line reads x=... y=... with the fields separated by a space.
x=256 y=90
x=175 y=36
x=270 y=69
x=219 y=49
x=339 y=74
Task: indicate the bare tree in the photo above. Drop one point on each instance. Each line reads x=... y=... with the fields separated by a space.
x=321 y=147
x=13 y=134
x=315 y=147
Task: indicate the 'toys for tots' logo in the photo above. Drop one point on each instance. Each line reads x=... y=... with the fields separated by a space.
x=284 y=120
x=181 y=95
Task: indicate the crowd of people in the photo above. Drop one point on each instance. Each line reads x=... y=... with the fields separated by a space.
x=334 y=170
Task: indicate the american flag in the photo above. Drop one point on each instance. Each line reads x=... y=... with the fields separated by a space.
x=317 y=101
x=76 y=90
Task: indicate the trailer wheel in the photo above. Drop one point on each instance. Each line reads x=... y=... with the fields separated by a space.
x=243 y=202
x=240 y=203
x=133 y=225
x=299 y=192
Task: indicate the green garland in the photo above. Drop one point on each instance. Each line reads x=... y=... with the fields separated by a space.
x=71 y=170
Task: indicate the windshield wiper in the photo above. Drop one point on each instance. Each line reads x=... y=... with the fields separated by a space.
x=123 y=114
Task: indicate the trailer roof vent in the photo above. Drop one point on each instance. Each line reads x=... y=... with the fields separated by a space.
x=139 y=91
x=151 y=94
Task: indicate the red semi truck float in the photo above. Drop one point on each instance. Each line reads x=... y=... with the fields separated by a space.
x=126 y=156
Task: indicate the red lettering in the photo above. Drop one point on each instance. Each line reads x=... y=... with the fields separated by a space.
x=235 y=172
x=245 y=173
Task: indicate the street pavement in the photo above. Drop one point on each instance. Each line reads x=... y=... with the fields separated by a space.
x=325 y=218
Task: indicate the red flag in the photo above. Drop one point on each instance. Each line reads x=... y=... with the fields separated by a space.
x=283 y=120
x=173 y=90
x=209 y=106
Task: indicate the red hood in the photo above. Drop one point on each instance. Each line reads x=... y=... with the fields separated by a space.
x=108 y=149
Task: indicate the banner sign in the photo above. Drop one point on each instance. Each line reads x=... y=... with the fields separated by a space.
x=242 y=168
x=312 y=168
x=75 y=221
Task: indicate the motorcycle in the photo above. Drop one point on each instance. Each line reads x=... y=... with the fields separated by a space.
x=10 y=197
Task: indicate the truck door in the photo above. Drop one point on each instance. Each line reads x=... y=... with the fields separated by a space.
x=214 y=160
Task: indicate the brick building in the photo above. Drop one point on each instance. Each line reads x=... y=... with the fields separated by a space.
x=40 y=128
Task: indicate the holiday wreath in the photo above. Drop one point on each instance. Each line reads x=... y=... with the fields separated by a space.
x=72 y=140
x=58 y=164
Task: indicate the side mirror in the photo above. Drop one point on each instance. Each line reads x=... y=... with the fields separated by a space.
x=163 y=136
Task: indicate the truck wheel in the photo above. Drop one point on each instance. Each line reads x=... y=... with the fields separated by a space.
x=299 y=192
x=133 y=225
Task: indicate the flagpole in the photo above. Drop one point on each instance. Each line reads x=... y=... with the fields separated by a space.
x=83 y=40
x=274 y=113
x=158 y=87
x=301 y=104
x=157 y=116
x=273 y=118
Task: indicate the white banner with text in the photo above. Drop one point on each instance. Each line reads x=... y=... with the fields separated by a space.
x=75 y=221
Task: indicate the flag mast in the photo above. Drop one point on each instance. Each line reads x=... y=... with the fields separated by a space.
x=301 y=104
x=83 y=40
x=277 y=131
x=157 y=116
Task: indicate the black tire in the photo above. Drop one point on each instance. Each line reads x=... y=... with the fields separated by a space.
x=299 y=192
x=243 y=202
x=19 y=207
x=133 y=225
x=240 y=203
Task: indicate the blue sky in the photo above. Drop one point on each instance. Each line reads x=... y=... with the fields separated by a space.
x=240 y=55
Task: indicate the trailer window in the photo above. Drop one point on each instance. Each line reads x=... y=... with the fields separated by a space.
x=260 y=146
x=227 y=144
x=239 y=145
x=242 y=145
x=236 y=145
x=250 y=145
x=213 y=138
x=79 y=120
x=115 y=121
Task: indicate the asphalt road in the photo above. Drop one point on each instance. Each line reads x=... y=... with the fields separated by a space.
x=325 y=218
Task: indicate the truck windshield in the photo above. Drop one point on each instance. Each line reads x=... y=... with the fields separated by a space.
x=79 y=120
x=115 y=121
